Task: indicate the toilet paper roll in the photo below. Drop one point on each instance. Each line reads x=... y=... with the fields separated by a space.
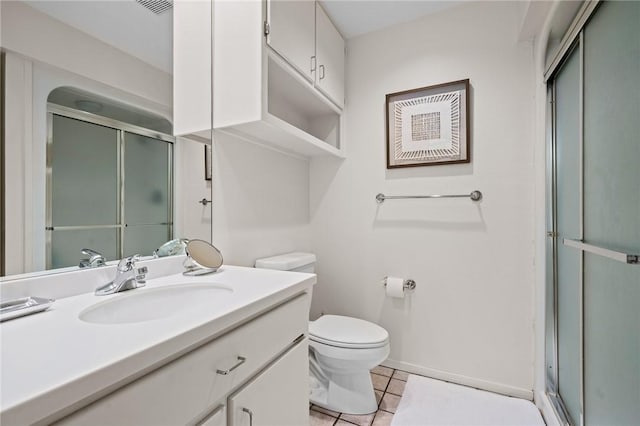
x=395 y=287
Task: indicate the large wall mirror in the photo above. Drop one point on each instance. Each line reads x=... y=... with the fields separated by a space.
x=88 y=158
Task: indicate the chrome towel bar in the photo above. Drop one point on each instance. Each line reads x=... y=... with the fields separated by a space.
x=475 y=196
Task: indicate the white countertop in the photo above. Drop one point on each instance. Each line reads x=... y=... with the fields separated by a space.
x=52 y=360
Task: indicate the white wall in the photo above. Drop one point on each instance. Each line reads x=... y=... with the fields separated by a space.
x=36 y=35
x=260 y=201
x=192 y=220
x=470 y=320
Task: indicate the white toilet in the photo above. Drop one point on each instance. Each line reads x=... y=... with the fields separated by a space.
x=342 y=350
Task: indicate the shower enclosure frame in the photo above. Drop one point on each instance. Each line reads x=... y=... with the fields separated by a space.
x=572 y=40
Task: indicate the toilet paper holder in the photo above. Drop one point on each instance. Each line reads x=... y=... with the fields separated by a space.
x=407 y=284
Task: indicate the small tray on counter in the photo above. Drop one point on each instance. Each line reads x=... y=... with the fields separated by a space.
x=15 y=308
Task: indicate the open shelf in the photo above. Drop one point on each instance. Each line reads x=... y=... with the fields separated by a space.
x=296 y=118
x=293 y=100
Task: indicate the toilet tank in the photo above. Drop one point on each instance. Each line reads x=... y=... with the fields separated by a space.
x=297 y=261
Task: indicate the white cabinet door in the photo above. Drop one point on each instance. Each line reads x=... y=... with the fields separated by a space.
x=191 y=67
x=330 y=58
x=277 y=396
x=218 y=417
x=292 y=32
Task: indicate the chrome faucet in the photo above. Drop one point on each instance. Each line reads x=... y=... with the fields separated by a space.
x=93 y=259
x=127 y=277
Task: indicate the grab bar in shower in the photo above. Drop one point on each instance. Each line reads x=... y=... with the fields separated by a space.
x=475 y=196
x=631 y=259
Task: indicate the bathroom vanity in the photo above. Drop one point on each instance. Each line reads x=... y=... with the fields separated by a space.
x=227 y=348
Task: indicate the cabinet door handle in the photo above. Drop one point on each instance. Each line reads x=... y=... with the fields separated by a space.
x=250 y=413
x=313 y=63
x=321 y=72
x=241 y=361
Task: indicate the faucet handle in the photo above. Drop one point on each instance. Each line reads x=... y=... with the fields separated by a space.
x=94 y=258
x=128 y=263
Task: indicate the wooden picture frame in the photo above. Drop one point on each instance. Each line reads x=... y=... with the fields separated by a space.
x=428 y=126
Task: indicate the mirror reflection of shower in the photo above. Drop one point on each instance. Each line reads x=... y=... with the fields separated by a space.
x=109 y=178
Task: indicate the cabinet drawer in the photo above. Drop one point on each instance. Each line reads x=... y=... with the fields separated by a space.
x=185 y=389
x=274 y=397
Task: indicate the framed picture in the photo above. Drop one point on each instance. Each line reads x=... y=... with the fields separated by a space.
x=428 y=126
x=207 y=162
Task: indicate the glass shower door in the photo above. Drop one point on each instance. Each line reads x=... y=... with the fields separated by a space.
x=569 y=261
x=108 y=189
x=147 y=193
x=83 y=190
x=612 y=214
x=595 y=350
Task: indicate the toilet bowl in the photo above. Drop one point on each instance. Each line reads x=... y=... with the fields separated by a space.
x=342 y=350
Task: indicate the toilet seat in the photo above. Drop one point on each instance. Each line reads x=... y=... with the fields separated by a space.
x=347 y=332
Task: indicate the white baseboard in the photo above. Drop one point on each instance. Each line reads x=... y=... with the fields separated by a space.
x=548 y=413
x=500 y=388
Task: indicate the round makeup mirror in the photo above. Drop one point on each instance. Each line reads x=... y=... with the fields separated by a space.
x=203 y=258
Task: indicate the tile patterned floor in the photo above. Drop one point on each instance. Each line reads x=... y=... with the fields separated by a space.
x=388 y=385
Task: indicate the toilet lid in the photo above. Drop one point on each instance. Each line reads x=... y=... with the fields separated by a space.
x=347 y=332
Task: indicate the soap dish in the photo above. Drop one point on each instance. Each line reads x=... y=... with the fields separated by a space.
x=24 y=306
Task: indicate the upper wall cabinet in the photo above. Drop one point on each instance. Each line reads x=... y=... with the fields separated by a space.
x=272 y=83
x=192 y=68
x=290 y=30
x=329 y=72
x=302 y=33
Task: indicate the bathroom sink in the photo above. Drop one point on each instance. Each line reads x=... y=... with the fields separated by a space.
x=152 y=304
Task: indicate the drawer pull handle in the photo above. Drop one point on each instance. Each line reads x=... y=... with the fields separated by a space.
x=250 y=413
x=241 y=361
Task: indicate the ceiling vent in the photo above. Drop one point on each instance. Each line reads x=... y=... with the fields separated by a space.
x=157 y=6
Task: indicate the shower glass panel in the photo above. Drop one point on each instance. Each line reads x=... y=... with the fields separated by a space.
x=145 y=238
x=66 y=245
x=146 y=188
x=84 y=161
x=147 y=193
x=83 y=188
x=611 y=214
x=569 y=284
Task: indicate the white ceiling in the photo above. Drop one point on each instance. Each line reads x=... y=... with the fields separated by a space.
x=124 y=24
x=357 y=17
x=128 y=26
